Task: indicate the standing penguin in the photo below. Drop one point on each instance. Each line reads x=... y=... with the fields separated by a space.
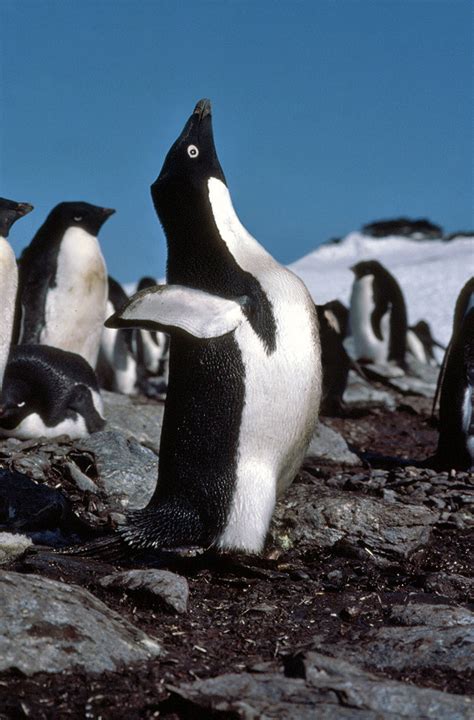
x=117 y=363
x=48 y=392
x=334 y=359
x=421 y=343
x=63 y=281
x=233 y=438
x=378 y=316
x=10 y=211
x=456 y=411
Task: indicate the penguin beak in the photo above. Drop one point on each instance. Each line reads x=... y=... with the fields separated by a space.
x=23 y=209
x=108 y=212
x=202 y=109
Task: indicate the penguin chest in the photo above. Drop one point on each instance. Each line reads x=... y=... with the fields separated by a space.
x=468 y=421
x=8 y=289
x=366 y=343
x=76 y=306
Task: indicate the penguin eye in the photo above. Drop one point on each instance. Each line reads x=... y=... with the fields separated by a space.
x=77 y=219
x=193 y=152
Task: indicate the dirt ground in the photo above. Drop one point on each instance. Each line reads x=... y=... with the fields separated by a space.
x=247 y=611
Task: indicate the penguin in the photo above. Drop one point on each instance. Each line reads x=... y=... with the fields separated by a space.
x=63 y=281
x=10 y=212
x=232 y=438
x=117 y=367
x=456 y=392
x=377 y=315
x=155 y=345
x=421 y=343
x=335 y=360
x=49 y=392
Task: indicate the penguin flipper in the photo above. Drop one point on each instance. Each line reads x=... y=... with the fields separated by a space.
x=170 y=307
x=376 y=318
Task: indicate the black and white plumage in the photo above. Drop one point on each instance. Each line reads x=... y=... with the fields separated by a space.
x=421 y=343
x=378 y=316
x=456 y=411
x=333 y=320
x=63 y=281
x=117 y=367
x=49 y=392
x=233 y=436
x=10 y=212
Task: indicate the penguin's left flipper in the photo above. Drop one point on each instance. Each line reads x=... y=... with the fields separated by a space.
x=169 y=307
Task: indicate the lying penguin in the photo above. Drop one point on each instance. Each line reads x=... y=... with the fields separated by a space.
x=49 y=392
x=63 y=281
x=456 y=411
x=378 y=316
x=10 y=212
x=233 y=438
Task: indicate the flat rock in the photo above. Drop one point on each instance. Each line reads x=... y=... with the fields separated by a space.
x=327 y=445
x=170 y=588
x=360 y=395
x=12 y=546
x=127 y=471
x=142 y=421
x=48 y=626
x=451 y=585
x=329 y=690
x=423 y=636
x=369 y=527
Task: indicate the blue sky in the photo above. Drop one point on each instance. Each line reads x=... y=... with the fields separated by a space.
x=327 y=115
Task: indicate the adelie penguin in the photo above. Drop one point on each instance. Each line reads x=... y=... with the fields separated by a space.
x=10 y=212
x=49 y=392
x=377 y=315
x=456 y=405
x=63 y=281
x=233 y=437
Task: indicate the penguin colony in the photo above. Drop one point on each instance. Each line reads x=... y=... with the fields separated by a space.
x=216 y=341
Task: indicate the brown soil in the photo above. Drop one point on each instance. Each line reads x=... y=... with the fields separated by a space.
x=248 y=611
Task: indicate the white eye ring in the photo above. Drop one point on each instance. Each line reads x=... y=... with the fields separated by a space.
x=22 y=404
x=193 y=152
x=77 y=219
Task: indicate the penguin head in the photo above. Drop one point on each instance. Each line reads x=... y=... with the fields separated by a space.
x=79 y=214
x=10 y=211
x=366 y=268
x=189 y=164
x=18 y=400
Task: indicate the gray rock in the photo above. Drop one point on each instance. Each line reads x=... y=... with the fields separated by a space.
x=12 y=546
x=49 y=626
x=369 y=527
x=142 y=421
x=452 y=585
x=127 y=471
x=330 y=690
x=359 y=394
x=425 y=636
x=421 y=380
x=327 y=445
x=84 y=483
x=172 y=589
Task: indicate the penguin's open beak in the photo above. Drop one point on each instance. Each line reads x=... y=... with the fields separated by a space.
x=203 y=108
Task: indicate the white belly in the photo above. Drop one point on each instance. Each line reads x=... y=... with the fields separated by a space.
x=8 y=289
x=117 y=355
x=282 y=394
x=76 y=308
x=366 y=344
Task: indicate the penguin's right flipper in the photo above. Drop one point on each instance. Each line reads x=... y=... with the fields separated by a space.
x=167 y=307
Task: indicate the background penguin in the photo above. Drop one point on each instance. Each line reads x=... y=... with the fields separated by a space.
x=456 y=412
x=378 y=316
x=421 y=343
x=334 y=358
x=49 y=392
x=117 y=363
x=10 y=211
x=63 y=281
x=152 y=355
x=239 y=322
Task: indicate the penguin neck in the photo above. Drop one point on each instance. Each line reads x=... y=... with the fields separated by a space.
x=206 y=240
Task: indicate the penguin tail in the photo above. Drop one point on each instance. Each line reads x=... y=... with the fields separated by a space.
x=110 y=548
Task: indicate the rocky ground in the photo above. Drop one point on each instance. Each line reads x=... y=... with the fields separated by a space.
x=362 y=605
